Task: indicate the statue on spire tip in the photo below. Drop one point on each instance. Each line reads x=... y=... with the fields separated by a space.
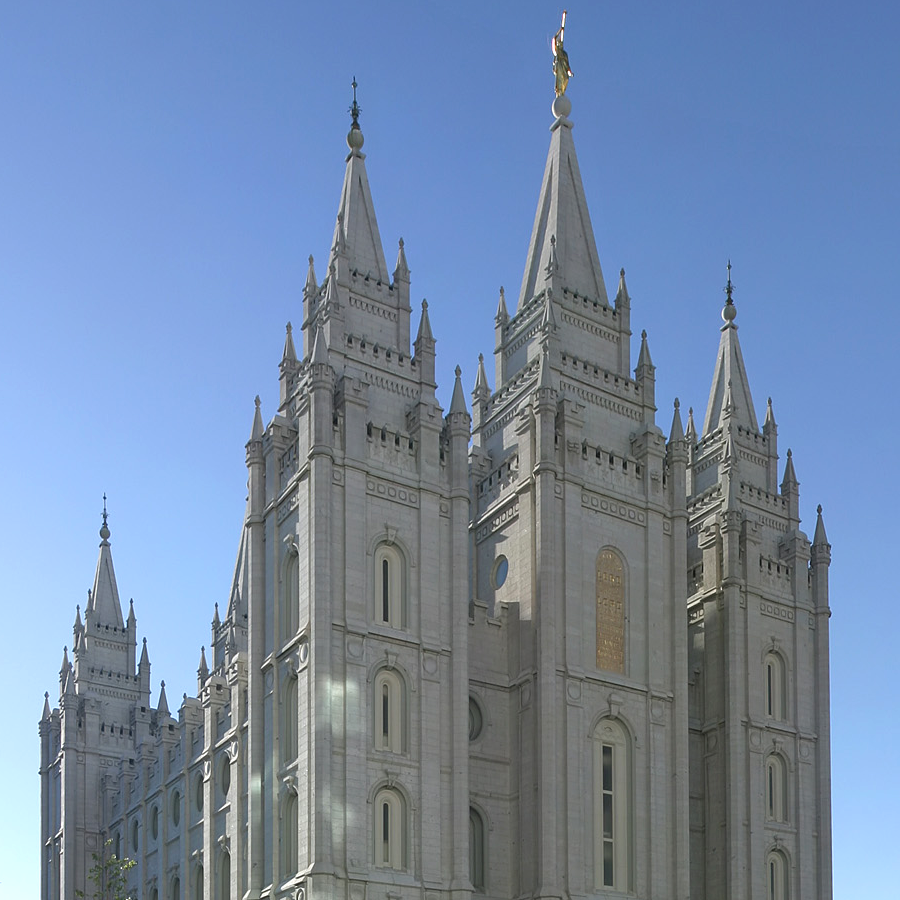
x=561 y=71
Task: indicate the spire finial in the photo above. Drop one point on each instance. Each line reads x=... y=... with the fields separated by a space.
x=104 y=528
x=730 y=311
x=355 y=137
x=561 y=71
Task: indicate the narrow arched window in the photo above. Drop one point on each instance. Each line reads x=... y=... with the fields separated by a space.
x=289 y=835
x=290 y=597
x=476 y=849
x=775 y=687
x=390 y=830
x=390 y=586
x=612 y=806
x=777 y=884
x=198 y=884
x=776 y=789
x=390 y=711
x=175 y=893
x=289 y=713
x=610 y=597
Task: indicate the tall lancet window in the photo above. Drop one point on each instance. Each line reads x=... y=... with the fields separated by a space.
x=289 y=713
x=289 y=835
x=610 y=612
x=390 y=830
x=390 y=587
x=777 y=883
x=612 y=807
x=290 y=596
x=776 y=789
x=390 y=712
x=775 y=687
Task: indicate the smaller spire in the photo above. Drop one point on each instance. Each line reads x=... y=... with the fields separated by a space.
x=820 y=539
x=45 y=715
x=401 y=270
x=203 y=668
x=458 y=400
x=622 y=298
x=256 y=432
x=162 y=705
x=502 y=316
x=644 y=360
x=145 y=658
x=789 y=482
x=319 y=354
x=77 y=627
x=131 y=616
x=330 y=300
x=769 y=423
x=64 y=667
x=69 y=684
x=311 y=288
x=424 y=325
x=290 y=353
x=545 y=382
x=677 y=432
x=691 y=432
x=481 y=383
x=552 y=266
x=548 y=319
x=216 y=622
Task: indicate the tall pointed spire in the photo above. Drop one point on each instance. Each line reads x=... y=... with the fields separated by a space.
x=502 y=315
x=730 y=386
x=145 y=658
x=481 y=390
x=820 y=539
x=256 y=432
x=676 y=432
x=562 y=246
x=424 y=325
x=356 y=232
x=290 y=353
x=311 y=288
x=104 y=606
x=401 y=270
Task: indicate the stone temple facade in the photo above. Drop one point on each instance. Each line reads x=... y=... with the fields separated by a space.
x=527 y=647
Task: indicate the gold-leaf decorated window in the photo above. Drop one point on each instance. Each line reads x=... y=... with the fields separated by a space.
x=610 y=612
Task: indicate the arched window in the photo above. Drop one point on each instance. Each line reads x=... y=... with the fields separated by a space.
x=776 y=788
x=289 y=720
x=289 y=836
x=290 y=596
x=390 y=586
x=775 y=687
x=476 y=849
x=612 y=806
x=777 y=883
x=224 y=877
x=389 y=700
x=198 y=883
x=610 y=612
x=175 y=892
x=390 y=830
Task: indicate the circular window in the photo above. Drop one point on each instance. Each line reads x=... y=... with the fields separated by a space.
x=198 y=793
x=226 y=775
x=134 y=835
x=476 y=720
x=154 y=822
x=176 y=807
x=499 y=573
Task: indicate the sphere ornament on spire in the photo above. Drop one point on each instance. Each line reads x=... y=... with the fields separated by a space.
x=355 y=139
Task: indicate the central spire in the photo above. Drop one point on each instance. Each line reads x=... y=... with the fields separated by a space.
x=103 y=605
x=562 y=250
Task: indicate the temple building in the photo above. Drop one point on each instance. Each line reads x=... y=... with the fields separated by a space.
x=533 y=645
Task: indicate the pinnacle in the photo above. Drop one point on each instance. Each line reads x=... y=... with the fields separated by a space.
x=458 y=400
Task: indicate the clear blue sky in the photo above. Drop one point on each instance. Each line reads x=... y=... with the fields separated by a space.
x=166 y=168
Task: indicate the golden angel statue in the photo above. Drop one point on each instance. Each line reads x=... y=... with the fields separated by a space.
x=561 y=69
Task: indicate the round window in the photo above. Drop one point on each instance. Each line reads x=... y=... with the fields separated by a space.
x=499 y=573
x=476 y=721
